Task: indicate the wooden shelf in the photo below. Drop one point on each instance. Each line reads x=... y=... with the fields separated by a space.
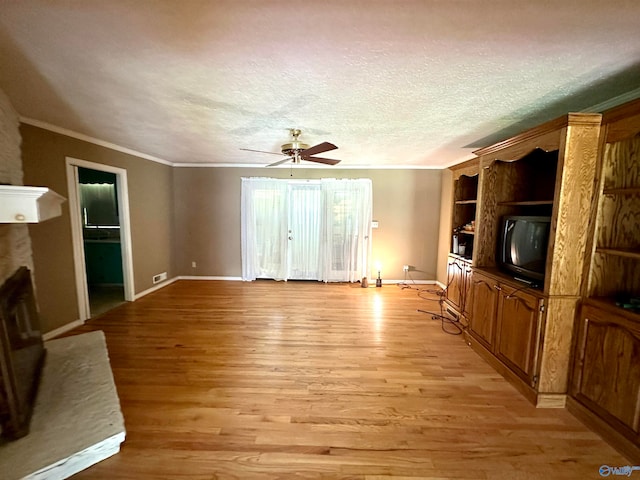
x=528 y=203
x=466 y=202
x=621 y=191
x=620 y=252
x=609 y=304
x=466 y=232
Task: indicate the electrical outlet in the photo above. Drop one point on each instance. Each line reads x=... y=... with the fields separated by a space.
x=405 y=268
x=193 y=265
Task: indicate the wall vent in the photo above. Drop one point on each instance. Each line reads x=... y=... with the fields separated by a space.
x=159 y=278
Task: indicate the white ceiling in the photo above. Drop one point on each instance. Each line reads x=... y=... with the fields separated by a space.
x=391 y=83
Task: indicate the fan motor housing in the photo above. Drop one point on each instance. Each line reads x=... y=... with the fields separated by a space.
x=293 y=148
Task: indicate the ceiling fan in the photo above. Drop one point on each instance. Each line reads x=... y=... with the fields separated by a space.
x=296 y=151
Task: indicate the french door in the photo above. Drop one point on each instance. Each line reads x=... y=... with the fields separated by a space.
x=306 y=230
x=303 y=231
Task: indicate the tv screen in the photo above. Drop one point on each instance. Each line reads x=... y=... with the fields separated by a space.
x=523 y=246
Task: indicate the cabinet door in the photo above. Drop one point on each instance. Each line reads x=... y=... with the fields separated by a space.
x=606 y=377
x=454 y=282
x=517 y=332
x=466 y=289
x=484 y=295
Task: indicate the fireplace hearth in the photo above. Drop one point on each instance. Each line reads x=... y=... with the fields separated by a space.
x=22 y=354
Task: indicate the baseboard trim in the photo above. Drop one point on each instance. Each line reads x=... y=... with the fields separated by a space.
x=63 y=329
x=208 y=277
x=606 y=431
x=551 y=400
x=239 y=279
x=406 y=282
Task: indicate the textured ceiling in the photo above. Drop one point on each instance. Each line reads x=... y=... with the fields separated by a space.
x=392 y=83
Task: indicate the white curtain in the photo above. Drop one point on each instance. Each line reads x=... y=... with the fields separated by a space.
x=316 y=230
x=264 y=228
x=347 y=229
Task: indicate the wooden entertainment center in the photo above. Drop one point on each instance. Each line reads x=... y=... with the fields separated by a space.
x=564 y=341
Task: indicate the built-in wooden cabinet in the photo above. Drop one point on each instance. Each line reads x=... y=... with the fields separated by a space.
x=484 y=303
x=605 y=382
x=605 y=386
x=463 y=216
x=455 y=282
x=520 y=316
x=507 y=320
x=574 y=338
x=525 y=331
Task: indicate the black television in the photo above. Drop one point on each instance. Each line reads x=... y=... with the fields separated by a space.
x=522 y=249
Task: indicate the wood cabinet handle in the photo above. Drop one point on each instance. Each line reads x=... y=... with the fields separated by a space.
x=497 y=287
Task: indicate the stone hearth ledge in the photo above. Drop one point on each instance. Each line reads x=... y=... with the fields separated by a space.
x=77 y=421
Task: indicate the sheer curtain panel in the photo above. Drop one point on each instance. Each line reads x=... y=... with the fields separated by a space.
x=348 y=205
x=264 y=212
x=307 y=230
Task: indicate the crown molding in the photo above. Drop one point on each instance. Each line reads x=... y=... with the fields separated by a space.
x=129 y=151
x=95 y=141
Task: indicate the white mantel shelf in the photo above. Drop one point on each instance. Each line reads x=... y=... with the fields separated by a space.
x=23 y=204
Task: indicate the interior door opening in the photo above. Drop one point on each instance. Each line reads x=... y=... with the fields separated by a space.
x=101 y=239
x=99 y=206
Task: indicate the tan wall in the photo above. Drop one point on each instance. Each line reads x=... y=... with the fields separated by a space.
x=150 y=199
x=406 y=203
x=446 y=202
x=15 y=244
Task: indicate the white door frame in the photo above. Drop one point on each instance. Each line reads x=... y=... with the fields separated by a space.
x=82 y=290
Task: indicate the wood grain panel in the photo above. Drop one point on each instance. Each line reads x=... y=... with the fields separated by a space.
x=484 y=306
x=622 y=122
x=619 y=222
x=610 y=367
x=486 y=229
x=516 y=331
x=622 y=164
x=264 y=380
x=469 y=168
x=613 y=275
x=572 y=211
x=556 y=349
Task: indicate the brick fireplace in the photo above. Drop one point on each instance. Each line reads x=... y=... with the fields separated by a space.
x=22 y=354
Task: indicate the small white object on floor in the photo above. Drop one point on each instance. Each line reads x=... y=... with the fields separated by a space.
x=77 y=421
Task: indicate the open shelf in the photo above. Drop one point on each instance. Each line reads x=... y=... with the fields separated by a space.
x=621 y=191
x=527 y=203
x=466 y=202
x=609 y=304
x=620 y=252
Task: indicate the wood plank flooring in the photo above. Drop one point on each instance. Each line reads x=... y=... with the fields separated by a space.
x=264 y=380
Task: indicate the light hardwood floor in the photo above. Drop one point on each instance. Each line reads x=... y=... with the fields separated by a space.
x=261 y=380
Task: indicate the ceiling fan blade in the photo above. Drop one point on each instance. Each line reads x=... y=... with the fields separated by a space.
x=280 y=162
x=320 y=148
x=260 y=151
x=327 y=161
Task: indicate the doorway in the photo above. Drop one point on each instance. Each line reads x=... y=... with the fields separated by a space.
x=306 y=230
x=101 y=239
x=98 y=201
x=305 y=208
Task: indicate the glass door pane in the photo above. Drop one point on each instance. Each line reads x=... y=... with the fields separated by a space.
x=304 y=231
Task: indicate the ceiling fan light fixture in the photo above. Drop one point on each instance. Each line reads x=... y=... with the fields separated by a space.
x=296 y=151
x=295 y=146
